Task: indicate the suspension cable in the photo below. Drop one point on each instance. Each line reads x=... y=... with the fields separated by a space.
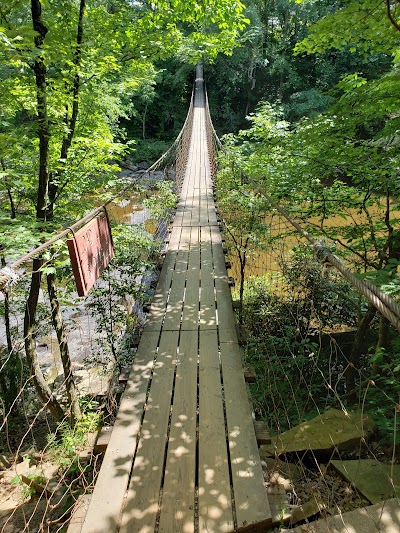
x=8 y=275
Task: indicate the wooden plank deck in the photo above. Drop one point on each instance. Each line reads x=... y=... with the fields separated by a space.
x=183 y=454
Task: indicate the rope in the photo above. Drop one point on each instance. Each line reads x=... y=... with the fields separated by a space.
x=8 y=275
x=382 y=302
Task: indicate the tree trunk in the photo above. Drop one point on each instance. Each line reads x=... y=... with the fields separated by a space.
x=13 y=212
x=9 y=373
x=12 y=205
x=242 y=260
x=72 y=392
x=7 y=313
x=54 y=181
x=144 y=121
x=42 y=387
x=43 y=130
x=383 y=342
x=354 y=360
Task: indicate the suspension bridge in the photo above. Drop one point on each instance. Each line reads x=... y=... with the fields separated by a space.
x=183 y=454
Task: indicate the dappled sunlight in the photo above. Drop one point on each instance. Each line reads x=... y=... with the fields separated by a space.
x=195 y=405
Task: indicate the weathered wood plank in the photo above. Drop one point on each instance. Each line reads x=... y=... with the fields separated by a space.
x=215 y=504
x=178 y=501
x=158 y=306
x=79 y=513
x=173 y=311
x=111 y=484
x=190 y=314
x=141 y=504
x=208 y=315
x=251 y=501
x=226 y=318
x=262 y=432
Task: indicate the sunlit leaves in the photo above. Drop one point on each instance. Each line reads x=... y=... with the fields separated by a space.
x=362 y=26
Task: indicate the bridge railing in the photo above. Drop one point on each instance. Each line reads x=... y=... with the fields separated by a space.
x=62 y=356
x=320 y=339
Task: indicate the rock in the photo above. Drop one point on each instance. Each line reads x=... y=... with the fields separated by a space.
x=276 y=479
x=125 y=173
x=383 y=517
x=371 y=478
x=332 y=429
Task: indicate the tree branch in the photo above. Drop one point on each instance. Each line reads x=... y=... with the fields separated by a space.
x=391 y=17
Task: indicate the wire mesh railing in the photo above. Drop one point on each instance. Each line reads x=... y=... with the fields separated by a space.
x=62 y=357
x=59 y=369
x=322 y=343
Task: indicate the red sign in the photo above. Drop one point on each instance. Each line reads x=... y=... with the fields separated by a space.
x=90 y=250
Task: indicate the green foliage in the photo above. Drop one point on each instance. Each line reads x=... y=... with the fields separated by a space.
x=27 y=491
x=162 y=200
x=383 y=393
x=360 y=25
x=111 y=300
x=148 y=151
x=107 y=80
x=285 y=316
x=65 y=444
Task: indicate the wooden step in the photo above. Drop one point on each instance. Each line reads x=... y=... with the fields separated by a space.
x=103 y=439
x=124 y=376
x=236 y=304
x=262 y=432
x=249 y=374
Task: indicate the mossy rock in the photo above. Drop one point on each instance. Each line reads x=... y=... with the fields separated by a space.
x=333 y=429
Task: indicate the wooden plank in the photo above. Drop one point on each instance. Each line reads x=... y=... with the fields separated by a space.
x=141 y=504
x=208 y=315
x=103 y=439
x=215 y=504
x=188 y=213
x=184 y=244
x=78 y=514
x=262 y=432
x=190 y=314
x=251 y=501
x=177 y=221
x=250 y=375
x=159 y=303
x=111 y=484
x=206 y=209
x=226 y=318
x=174 y=307
x=175 y=239
x=178 y=501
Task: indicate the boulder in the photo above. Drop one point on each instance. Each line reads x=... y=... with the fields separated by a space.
x=371 y=478
x=383 y=517
x=330 y=430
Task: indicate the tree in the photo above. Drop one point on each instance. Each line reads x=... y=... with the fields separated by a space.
x=69 y=67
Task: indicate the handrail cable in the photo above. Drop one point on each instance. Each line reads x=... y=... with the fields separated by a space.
x=7 y=274
x=388 y=307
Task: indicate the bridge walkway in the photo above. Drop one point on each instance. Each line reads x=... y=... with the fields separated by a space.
x=183 y=455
